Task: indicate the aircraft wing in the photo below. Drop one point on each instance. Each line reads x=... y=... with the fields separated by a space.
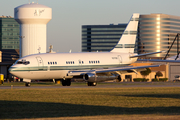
x=126 y=68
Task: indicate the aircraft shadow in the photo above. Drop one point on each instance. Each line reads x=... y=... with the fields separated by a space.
x=22 y=109
x=175 y=96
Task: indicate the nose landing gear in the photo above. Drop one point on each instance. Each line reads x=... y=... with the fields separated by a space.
x=27 y=84
x=92 y=83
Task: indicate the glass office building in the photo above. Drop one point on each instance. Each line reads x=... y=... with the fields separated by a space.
x=157 y=32
x=9 y=33
x=101 y=37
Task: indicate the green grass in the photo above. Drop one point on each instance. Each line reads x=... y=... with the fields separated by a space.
x=72 y=102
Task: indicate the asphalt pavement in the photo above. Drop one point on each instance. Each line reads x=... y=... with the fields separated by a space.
x=100 y=85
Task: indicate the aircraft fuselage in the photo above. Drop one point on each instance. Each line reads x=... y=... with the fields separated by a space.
x=57 y=65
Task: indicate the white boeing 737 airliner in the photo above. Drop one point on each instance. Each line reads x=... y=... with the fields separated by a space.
x=92 y=67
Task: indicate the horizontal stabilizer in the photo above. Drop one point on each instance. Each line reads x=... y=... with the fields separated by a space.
x=147 y=54
x=156 y=60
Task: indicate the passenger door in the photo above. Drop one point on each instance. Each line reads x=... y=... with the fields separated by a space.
x=40 y=63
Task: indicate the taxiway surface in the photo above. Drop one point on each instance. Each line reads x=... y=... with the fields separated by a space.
x=105 y=85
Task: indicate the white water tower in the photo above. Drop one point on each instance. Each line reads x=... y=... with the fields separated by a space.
x=32 y=18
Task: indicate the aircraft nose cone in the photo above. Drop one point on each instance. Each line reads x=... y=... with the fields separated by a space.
x=11 y=69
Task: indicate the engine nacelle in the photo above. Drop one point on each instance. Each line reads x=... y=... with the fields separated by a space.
x=90 y=77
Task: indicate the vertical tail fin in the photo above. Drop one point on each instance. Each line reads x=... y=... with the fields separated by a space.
x=127 y=41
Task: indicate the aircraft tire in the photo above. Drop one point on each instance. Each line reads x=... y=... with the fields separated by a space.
x=68 y=82
x=92 y=83
x=27 y=84
x=89 y=83
x=63 y=82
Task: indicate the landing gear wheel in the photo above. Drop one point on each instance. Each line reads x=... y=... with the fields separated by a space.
x=63 y=82
x=27 y=84
x=66 y=82
x=92 y=83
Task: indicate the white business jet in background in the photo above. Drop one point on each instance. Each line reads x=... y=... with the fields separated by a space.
x=92 y=67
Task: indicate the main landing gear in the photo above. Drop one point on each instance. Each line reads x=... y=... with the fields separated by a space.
x=66 y=82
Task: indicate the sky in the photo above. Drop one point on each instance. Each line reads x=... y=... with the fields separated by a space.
x=68 y=16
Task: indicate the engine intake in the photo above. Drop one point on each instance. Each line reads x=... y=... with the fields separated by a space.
x=89 y=77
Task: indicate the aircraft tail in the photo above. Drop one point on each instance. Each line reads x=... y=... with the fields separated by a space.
x=127 y=41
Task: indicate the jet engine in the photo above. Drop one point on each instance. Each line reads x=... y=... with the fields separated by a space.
x=90 y=77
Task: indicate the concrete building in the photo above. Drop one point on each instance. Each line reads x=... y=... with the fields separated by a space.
x=129 y=77
x=101 y=37
x=32 y=18
x=168 y=69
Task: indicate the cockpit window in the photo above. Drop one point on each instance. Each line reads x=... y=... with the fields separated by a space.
x=23 y=62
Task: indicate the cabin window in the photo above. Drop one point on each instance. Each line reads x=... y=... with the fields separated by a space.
x=97 y=61
x=69 y=62
x=81 y=62
x=52 y=63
